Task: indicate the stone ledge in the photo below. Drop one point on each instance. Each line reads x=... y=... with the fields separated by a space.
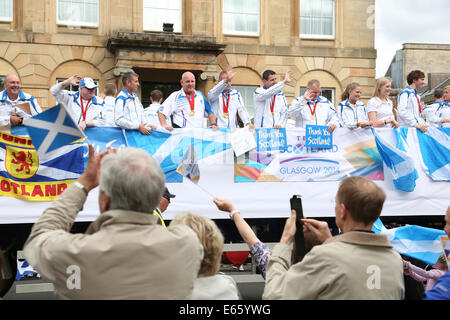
x=162 y=40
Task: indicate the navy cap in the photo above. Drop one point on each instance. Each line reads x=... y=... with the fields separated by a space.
x=167 y=194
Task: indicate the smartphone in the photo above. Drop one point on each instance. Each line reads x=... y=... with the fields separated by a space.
x=300 y=248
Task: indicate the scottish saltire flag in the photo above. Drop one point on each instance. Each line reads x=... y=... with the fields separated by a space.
x=23 y=269
x=435 y=152
x=25 y=175
x=52 y=129
x=417 y=242
x=188 y=167
x=398 y=161
x=378 y=227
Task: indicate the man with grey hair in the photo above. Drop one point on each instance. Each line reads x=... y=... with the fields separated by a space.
x=128 y=110
x=124 y=253
x=313 y=109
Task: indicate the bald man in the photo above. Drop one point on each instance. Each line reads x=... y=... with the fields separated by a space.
x=10 y=113
x=188 y=107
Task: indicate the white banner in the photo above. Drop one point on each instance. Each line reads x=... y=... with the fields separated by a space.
x=264 y=199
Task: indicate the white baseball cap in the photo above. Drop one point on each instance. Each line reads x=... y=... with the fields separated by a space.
x=87 y=83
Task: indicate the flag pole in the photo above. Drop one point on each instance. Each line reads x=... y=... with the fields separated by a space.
x=201 y=188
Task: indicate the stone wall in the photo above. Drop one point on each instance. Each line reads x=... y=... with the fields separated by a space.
x=40 y=51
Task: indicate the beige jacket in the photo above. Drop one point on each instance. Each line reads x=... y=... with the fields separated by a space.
x=350 y=266
x=122 y=255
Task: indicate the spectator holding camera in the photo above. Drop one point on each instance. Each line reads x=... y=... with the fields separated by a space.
x=258 y=249
x=356 y=264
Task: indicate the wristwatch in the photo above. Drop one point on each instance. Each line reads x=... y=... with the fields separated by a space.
x=232 y=213
x=80 y=186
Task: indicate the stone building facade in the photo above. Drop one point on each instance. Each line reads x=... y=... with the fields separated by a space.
x=43 y=41
x=432 y=59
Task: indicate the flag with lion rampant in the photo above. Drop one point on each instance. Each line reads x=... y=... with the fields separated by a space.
x=24 y=175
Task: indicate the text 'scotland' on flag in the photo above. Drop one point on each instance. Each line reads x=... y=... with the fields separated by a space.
x=25 y=175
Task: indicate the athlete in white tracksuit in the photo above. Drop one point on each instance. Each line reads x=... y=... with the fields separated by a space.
x=226 y=105
x=271 y=110
x=85 y=108
x=319 y=112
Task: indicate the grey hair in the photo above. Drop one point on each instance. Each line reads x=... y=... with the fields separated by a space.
x=132 y=179
x=128 y=76
x=313 y=82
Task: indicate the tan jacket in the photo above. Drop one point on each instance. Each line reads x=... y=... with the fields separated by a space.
x=350 y=266
x=122 y=255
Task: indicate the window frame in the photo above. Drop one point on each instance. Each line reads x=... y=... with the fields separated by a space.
x=317 y=36
x=79 y=23
x=11 y=17
x=240 y=33
x=161 y=28
x=251 y=113
x=2 y=82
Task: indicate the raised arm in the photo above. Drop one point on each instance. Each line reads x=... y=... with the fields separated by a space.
x=58 y=92
x=242 y=226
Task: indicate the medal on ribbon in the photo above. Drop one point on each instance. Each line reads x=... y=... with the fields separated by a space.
x=191 y=100
x=226 y=115
x=272 y=106
x=313 y=112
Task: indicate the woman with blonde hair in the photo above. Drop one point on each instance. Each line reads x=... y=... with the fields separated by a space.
x=380 y=107
x=352 y=112
x=210 y=283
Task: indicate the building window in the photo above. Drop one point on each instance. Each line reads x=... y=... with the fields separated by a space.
x=74 y=88
x=2 y=83
x=241 y=17
x=325 y=92
x=247 y=96
x=82 y=13
x=158 y=12
x=317 y=19
x=6 y=10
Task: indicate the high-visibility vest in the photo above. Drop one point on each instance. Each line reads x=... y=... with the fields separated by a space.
x=156 y=213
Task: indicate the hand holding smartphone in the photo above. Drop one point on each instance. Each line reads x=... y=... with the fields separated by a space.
x=299 y=240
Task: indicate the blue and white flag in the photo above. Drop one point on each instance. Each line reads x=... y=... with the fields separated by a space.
x=23 y=269
x=435 y=152
x=188 y=167
x=169 y=149
x=417 y=242
x=398 y=161
x=52 y=129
